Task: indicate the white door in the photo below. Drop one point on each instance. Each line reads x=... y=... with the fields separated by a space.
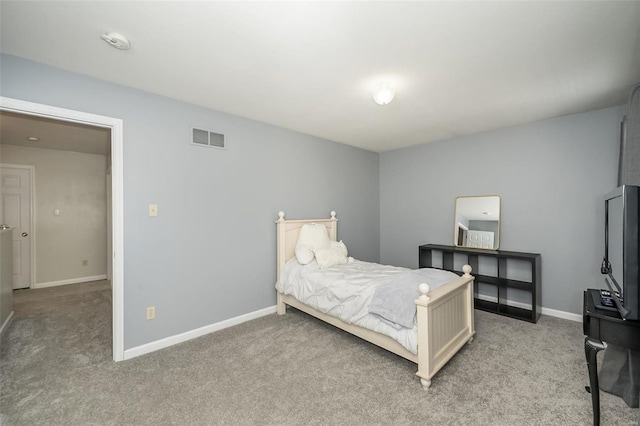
x=480 y=239
x=15 y=211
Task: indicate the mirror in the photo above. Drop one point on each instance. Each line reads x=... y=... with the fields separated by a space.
x=477 y=222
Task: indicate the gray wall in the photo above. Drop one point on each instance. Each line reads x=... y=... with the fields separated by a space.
x=551 y=176
x=210 y=254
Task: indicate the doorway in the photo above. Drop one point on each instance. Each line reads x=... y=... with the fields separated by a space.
x=116 y=200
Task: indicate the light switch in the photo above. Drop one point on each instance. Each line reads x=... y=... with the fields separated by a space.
x=56 y=212
x=153 y=210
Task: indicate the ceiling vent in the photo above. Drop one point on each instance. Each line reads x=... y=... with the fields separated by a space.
x=207 y=138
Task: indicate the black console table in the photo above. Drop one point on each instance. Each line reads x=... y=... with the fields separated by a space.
x=501 y=280
x=601 y=326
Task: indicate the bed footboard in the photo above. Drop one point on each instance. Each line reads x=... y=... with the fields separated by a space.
x=445 y=324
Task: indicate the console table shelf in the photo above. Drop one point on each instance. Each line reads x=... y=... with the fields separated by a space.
x=501 y=280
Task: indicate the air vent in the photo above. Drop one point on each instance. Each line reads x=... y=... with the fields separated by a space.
x=206 y=138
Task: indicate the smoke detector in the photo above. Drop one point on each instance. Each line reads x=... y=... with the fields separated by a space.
x=116 y=40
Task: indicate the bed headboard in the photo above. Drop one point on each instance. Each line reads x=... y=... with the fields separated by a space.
x=287 y=236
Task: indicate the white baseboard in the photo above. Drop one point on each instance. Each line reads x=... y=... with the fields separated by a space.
x=71 y=281
x=6 y=322
x=192 y=334
x=545 y=311
x=198 y=332
x=562 y=314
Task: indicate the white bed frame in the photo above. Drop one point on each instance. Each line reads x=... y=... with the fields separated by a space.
x=444 y=316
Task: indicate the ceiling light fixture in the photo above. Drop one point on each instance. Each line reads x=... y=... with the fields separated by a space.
x=384 y=93
x=116 y=40
x=33 y=139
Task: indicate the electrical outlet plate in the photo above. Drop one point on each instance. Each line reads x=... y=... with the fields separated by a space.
x=151 y=312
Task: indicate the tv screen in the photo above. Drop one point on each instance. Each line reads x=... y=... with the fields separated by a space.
x=621 y=258
x=615 y=232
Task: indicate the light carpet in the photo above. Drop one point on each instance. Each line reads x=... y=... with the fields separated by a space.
x=56 y=369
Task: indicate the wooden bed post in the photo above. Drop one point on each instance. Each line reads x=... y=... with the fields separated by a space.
x=333 y=228
x=471 y=320
x=281 y=307
x=445 y=324
x=422 y=318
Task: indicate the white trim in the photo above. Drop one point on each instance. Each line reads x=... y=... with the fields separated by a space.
x=32 y=216
x=561 y=314
x=545 y=311
x=6 y=322
x=71 y=281
x=117 y=188
x=198 y=332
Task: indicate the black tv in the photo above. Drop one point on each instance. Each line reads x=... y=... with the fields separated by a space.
x=621 y=263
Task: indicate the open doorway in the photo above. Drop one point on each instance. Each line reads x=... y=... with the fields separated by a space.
x=55 y=194
x=111 y=262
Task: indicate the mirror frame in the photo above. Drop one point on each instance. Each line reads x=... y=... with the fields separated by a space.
x=455 y=222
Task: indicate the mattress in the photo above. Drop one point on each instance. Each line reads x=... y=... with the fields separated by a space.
x=345 y=292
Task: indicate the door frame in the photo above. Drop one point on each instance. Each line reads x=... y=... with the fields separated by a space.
x=32 y=203
x=117 y=196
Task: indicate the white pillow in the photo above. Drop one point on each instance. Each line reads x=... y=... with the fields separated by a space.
x=334 y=255
x=312 y=237
x=340 y=245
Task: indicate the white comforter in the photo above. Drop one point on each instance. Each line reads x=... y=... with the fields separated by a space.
x=345 y=291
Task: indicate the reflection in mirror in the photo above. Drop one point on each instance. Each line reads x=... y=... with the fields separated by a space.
x=477 y=222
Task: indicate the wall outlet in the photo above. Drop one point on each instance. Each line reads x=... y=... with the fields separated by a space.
x=151 y=312
x=85 y=262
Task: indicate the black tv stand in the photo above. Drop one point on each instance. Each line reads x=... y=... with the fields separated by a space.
x=601 y=326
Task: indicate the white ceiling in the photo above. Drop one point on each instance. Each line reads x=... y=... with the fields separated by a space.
x=15 y=129
x=458 y=67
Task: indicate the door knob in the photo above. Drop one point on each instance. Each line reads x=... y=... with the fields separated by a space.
x=24 y=234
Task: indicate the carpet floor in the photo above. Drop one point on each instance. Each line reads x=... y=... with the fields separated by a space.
x=56 y=369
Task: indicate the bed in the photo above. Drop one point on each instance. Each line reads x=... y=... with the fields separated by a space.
x=444 y=319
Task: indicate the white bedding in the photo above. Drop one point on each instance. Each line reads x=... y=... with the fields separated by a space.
x=345 y=292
